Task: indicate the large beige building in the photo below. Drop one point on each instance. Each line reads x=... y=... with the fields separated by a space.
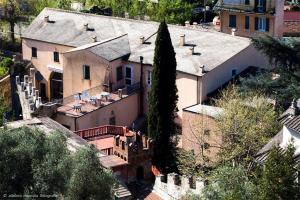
x=99 y=56
x=251 y=17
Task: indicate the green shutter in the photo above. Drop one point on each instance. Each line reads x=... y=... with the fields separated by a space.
x=256 y=23
x=268 y=24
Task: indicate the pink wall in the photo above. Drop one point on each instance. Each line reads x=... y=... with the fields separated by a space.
x=125 y=112
x=44 y=57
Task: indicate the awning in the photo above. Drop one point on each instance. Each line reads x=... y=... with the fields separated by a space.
x=53 y=68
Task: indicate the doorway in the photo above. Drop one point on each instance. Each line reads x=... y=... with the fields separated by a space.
x=43 y=90
x=56 y=85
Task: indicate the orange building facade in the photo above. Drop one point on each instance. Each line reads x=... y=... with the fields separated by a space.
x=250 y=18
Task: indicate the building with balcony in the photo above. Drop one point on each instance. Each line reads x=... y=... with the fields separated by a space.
x=99 y=67
x=250 y=18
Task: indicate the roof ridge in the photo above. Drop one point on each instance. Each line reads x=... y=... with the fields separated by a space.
x=91 y=45
x=96 y=15
x=127 y=19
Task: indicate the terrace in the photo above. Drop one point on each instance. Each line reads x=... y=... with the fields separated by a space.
x=83 y=103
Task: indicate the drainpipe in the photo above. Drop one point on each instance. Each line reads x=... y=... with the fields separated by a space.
x=141 y=88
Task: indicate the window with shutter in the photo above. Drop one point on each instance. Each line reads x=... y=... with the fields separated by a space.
x=86 y=72
x=119 y=73
x=232 y=21
x=268 y=24
x=56 y=56
x=34 y=52
x=256 y=23
x=247 y=22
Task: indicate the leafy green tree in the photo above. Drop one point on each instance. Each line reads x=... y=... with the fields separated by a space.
x=229 y=183
x=279 y=175
x=3 y=110
x=283 y=52
x=89 y=180
x=189 y=163
x=282 y=89
x=12 y=15
x=246 y=124
x=33 y=163
x=163 y=98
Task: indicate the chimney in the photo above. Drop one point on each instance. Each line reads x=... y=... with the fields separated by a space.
x=142 y=40
x=191 y=49
x=202 y=69
x=86 y=26
x=94 y=38
x=187 y=23
x=46 y=18
x=293 y=109
x=182 y=40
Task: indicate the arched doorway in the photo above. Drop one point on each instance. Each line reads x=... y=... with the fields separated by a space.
x=56 y=85
x=140 y=173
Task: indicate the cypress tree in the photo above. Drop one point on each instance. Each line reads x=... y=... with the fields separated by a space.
x=163 y=99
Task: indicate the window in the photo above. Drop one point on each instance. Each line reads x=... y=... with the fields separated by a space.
x=149 y=77
x=86 y=72
x=128 y=75
x=119 y=73
x=233 y=72
x=34 y=52
x=247 y=22
x=261 y=5
x=262 y=24
x=232 y=21
x=112 y=121
x=56 y=56
x=206 y=132
x=247 y=2
x=123 y=145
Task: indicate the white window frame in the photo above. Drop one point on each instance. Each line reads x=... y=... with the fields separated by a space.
x=131 y=74
x=262 y=24
x=149 y=77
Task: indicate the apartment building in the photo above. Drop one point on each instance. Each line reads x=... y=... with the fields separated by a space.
x=101 y=66
x=250 y=18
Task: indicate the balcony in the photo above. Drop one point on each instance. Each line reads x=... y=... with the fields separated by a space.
x=240 y=6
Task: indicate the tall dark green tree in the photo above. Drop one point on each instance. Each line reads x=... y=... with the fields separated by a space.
x=163 y=98
x=279 y=175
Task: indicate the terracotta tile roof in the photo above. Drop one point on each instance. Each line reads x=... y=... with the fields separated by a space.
x=291 y=16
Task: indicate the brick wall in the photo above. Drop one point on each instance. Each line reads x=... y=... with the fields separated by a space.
x=291 y=28
x=198 y=129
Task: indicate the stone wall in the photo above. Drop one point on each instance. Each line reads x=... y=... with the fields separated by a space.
x=176 y=187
